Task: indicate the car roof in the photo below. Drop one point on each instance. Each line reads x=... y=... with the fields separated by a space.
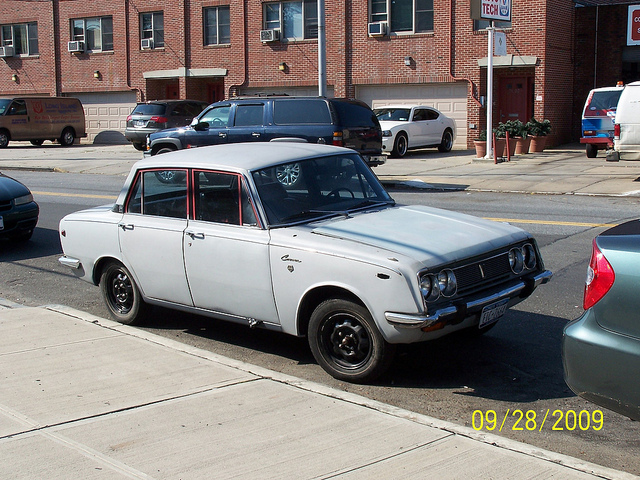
x=405 y=106
x=240 y=156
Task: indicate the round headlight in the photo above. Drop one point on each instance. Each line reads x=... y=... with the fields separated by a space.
x=430 y=288
x=447 y=283
x=516 y=260
x=425 y=286
x=529 y=254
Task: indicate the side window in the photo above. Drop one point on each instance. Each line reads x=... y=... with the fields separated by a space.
x=431 y=115
x=419 y=115
x=180 y=110
x=18 y=107
x=222 y=198
x=301 y=112
x=159 y=193
x=217 y=116
x=249 y=115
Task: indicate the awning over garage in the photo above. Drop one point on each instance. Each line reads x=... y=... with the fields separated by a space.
x=185 y=72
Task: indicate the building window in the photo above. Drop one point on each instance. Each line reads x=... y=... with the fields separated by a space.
x=295 y=20
x=484 y=24
x=22 y=37
x=217 y=29
x=96 y=33
x=152 y=28
x=404 y=16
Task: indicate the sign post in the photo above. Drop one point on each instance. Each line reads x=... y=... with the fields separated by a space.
x=490 y=10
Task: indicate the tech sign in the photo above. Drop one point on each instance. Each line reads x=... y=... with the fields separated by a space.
x=491 y=10
x=633 y=29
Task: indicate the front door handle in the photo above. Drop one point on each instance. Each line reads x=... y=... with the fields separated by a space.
x=125 y=226
x=255 y=134
x=222 y=134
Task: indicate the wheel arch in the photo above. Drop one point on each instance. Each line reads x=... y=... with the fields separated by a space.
x=100 y=265
x=315 y=297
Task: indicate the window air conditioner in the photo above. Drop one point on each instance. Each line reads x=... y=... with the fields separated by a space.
x=6 y=52
x=75 y=47
x=146 y=43
x=269 y=35
x=377 y=29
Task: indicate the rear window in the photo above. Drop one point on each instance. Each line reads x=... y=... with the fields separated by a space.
x=301 y=112
x=355 y=115
x=149 y=109
x=600 y=103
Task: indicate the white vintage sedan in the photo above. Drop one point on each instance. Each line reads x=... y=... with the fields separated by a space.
x=303 y=239
x=414 y=126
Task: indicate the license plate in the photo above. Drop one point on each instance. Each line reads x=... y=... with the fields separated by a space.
x=1 y=224
x=141 y=123
x=491 y=313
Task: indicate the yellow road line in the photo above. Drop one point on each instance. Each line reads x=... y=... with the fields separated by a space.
x=552 y=222
x=75 y=195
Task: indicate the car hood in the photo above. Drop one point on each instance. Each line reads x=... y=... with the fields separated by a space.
x=388 y=124
x=10 y=188
x=429 y=235
x=169 y=132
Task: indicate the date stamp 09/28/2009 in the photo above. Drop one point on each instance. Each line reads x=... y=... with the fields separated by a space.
x=530 y=420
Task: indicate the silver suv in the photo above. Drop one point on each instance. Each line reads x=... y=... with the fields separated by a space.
x=153 y=116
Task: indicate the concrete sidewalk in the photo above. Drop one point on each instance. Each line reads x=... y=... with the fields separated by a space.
x=562 y=170
x=83 y=397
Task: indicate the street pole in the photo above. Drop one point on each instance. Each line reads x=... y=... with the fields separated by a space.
x=322 y=48
x=490 y=92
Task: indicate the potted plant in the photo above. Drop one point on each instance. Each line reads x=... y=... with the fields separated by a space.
x=481 y=144
x=538 y=131
x=522 y=139
x=500 y=144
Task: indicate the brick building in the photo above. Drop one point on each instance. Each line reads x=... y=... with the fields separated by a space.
x=113 y=53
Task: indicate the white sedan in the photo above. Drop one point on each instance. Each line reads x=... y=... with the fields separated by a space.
x=414 y=126
x=328 y=256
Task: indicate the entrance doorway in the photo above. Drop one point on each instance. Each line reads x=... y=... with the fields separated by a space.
x=515 y=100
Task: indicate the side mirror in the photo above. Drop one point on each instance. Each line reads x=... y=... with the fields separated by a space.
x=201 y=127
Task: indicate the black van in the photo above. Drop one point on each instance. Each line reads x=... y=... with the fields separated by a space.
x=331 y=121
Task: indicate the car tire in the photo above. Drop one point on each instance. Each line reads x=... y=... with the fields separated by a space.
x=165 y=150
x=37 y=143
x=121 y=295
x=4 y=138
x=400 y=146
x=140 y=146
x=447 y=142
x=592 y=151
x=346 y=343
x=67 y=137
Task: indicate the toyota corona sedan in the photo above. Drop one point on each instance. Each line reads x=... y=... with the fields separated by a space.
x=301 y=239
x=406 y=127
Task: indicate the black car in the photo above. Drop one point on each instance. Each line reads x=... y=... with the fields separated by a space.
x=150 y=117
x=331 y=121
x=18 y=211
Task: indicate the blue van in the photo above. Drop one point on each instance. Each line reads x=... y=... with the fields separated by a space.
x=598 y=118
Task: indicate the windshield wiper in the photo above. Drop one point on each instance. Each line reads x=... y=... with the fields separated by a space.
x=372 y=203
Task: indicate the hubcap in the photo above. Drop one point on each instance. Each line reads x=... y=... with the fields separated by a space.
x=348 y=341
x=122 y=293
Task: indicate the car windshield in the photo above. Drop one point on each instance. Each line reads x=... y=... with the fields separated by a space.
x=392 y=114
x=4 y=103
x=318 y=188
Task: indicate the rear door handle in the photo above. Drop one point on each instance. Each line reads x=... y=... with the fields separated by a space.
x=255 y=134
x=222 y=134
x=194 y=235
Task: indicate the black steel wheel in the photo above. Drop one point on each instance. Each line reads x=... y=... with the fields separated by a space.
x=447 y=142
x=346 y=343
x=67 y=137
x=121 y=295
x=400 y=146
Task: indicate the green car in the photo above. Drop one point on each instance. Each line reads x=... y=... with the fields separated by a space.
x=601 y=349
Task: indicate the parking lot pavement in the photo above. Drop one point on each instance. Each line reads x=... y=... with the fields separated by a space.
x=84 y=397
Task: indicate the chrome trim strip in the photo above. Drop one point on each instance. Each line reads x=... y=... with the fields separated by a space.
x=408 y=320
x=70 y=262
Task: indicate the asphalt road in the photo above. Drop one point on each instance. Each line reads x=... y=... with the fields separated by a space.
x=496 y=383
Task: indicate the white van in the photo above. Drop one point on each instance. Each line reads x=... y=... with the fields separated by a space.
x=626 y=130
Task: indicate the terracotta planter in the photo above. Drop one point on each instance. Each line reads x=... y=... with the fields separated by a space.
x=499 y=147
x=522 y=145
x=537 y=144
x=481 y=148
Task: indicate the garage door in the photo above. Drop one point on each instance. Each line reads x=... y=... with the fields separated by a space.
x=449 y=98
x=106 y=115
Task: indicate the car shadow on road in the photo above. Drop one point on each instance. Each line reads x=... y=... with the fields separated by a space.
x=43 y=243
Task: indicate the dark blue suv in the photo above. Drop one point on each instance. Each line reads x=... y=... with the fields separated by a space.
x=331 y=121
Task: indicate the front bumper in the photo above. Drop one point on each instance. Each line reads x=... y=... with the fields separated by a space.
x=459 y=311
x=374 y=160
x=19 y=220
